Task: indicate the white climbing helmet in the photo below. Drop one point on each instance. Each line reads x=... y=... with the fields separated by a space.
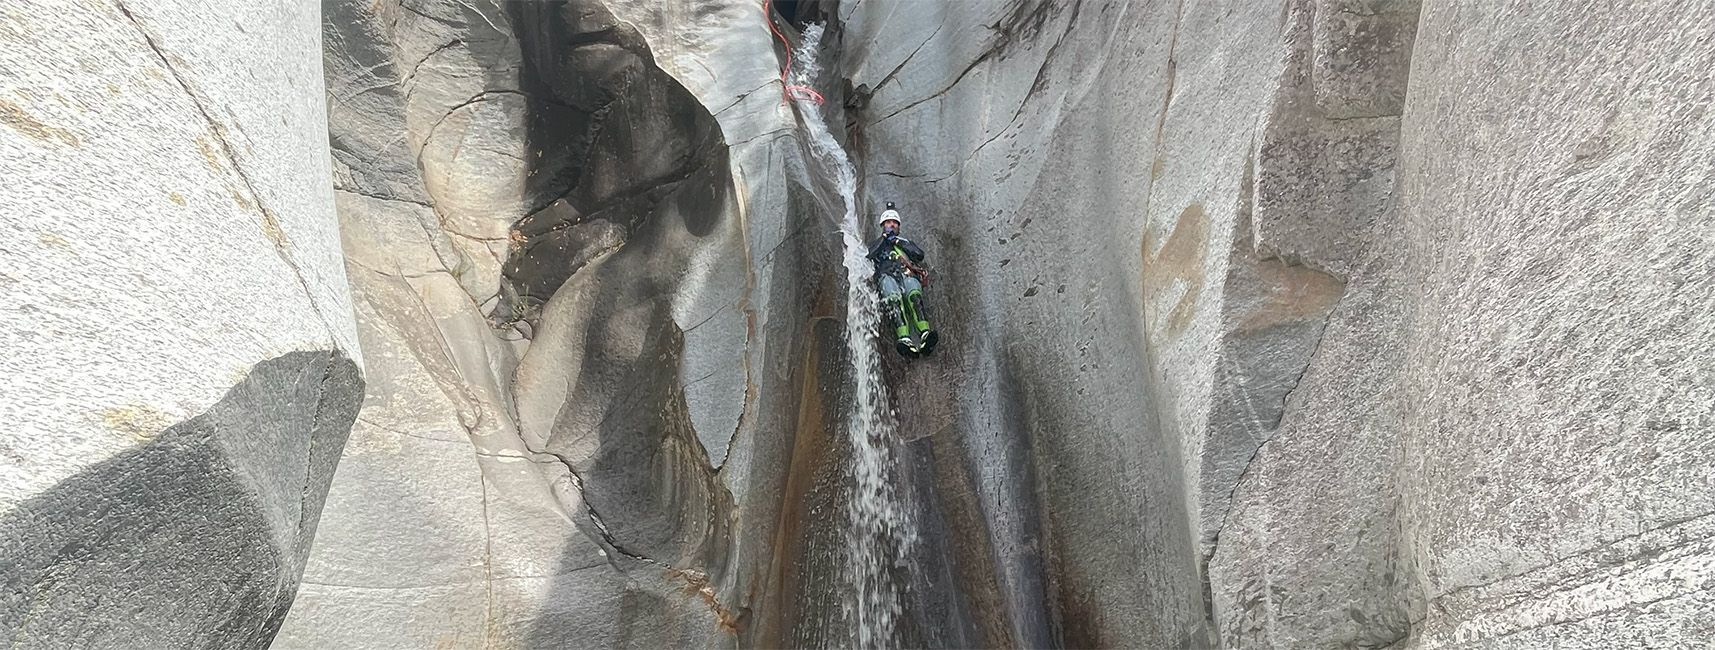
x=889 y=214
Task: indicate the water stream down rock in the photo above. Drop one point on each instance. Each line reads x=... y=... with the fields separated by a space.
x=880 y=532
x=484 y=324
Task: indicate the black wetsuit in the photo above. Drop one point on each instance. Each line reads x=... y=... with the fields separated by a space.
x=881 y=252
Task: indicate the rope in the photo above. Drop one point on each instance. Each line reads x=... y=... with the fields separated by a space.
x=788 y=91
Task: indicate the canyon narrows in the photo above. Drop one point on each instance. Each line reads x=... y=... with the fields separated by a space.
x=486 y=324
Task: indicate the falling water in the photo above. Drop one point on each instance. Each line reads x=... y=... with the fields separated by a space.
x=879 y=532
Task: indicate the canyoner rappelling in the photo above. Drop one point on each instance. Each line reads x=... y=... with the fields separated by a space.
x=902 y=281
x=897 y=274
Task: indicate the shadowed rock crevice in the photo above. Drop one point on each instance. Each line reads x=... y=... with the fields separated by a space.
x=121 y=552
x=803 y=607
x=584 y=197
x=610 y=137
x=641 y=485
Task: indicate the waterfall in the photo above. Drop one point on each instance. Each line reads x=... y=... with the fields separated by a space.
x=879 y=533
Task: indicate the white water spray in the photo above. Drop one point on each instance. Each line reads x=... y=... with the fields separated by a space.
x=880 y=533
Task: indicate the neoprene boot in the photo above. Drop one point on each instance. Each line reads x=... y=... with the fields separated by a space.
x=896 y=315
x=918 y=311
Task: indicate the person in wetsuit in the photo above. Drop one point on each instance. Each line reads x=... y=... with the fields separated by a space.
x=901 y=283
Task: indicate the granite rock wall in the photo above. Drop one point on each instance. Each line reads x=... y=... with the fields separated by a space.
x=1312 y=323
x=179 y=368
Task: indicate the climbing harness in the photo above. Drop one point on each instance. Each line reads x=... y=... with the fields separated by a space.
x=922 y=275
x=911 y=269
x=789 y=92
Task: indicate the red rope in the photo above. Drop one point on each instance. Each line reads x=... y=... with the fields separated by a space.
x=788 y=91
x=800 y=92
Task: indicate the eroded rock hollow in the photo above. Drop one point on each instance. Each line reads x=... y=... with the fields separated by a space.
x=485 y=324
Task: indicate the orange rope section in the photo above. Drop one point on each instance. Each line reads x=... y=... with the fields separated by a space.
x=789 y=91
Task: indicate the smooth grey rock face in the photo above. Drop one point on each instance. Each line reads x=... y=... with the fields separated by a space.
x=1402 y=341
x=194 y=539
x=1574 y=333
x=570 y=324
x=142 y=226
x=1460 y=536
x=1082 y=228
x=178 y=363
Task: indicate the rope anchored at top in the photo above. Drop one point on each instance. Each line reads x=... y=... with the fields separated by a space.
x=789 y=91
